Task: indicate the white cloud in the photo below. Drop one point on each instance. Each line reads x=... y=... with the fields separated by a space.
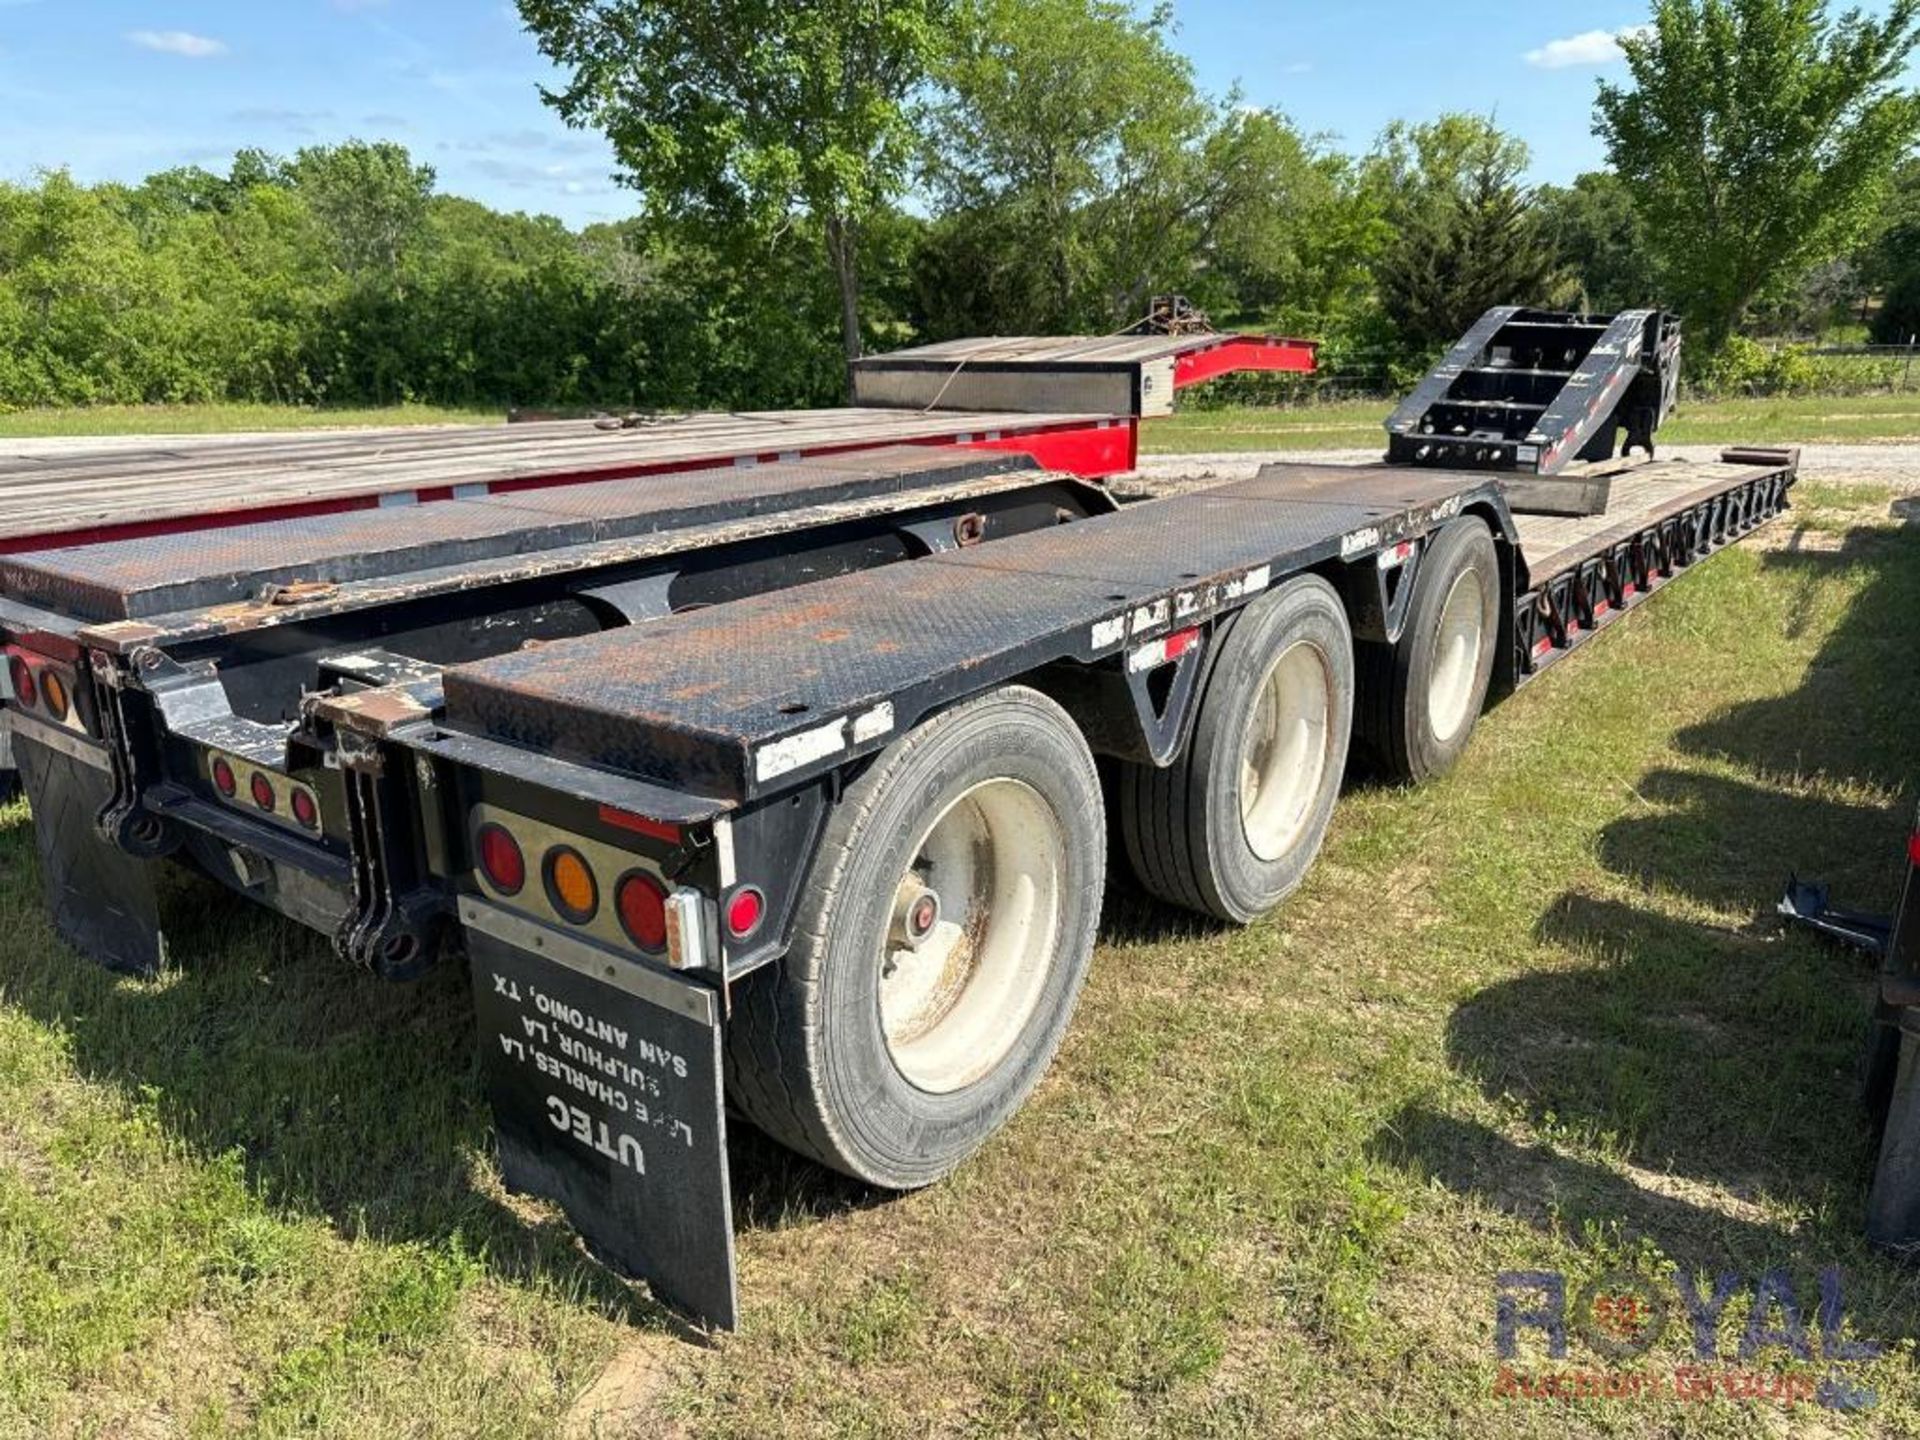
x=1299 y=67
x=177 y=42
x=1592 y=47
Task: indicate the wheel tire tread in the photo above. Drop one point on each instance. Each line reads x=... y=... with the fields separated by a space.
x=1162 y=807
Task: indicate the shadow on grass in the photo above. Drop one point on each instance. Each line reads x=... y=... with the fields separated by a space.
x=1723 y=1054
x=1552 y=1190
x=345 y=1095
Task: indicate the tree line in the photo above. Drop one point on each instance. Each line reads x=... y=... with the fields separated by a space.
x=812 y=181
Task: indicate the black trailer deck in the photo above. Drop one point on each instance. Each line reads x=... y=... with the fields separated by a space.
x=746 y=698
x=271 y=565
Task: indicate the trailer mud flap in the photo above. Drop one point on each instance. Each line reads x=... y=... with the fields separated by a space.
x=9 y=777
x=104 y=903
x=605 y=1083
x=1893 y=1204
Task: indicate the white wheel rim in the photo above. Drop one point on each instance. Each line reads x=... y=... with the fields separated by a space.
x=1456 y=656
x=1285 y=752
x=953 y=1007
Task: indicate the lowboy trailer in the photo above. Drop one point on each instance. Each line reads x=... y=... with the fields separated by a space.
x=801 y=821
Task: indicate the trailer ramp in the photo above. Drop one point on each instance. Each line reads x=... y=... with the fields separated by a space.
x=1541 y=393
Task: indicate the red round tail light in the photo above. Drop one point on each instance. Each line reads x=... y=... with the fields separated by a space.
x=642 y=904
x=744 y=912
x=224 y=779
x=262 y=789
x=501 y=861
x=306 y=809
x=24 y=690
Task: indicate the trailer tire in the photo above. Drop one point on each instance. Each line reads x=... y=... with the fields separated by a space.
x=866 y=1053
x=1197 y=832
x=1420 y=699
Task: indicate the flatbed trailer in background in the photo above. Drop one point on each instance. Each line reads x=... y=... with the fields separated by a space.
x=791 y=807
x=1135 y=374
x=53 y=494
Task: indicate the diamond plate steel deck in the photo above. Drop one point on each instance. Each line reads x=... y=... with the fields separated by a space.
x=135 y=579
x=695 y=699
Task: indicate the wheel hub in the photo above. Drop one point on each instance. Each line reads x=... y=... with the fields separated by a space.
x=1457 y=644
x=1285 y=752
x=971 y=935
x=916 y=915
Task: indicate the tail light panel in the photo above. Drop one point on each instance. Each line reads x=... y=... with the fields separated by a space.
x=48 y=689
x=264 y=794
x=575 y=883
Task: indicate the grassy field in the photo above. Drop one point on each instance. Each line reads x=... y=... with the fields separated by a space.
x=1537 y=1016
x=1356 y=424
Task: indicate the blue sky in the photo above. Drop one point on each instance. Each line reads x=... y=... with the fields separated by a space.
x=115 y=89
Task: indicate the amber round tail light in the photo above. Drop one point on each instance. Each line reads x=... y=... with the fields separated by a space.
x=571 y=888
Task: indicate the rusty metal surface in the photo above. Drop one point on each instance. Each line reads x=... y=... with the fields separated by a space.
x=683 y=700
x=1551 y=545
x=289 y=561
x=692 y=698
x=1384 y=488
x=216 y=622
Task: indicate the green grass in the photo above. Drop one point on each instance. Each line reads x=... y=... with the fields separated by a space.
x=1356 y=424
x=212 y=419
x=1534 y=1016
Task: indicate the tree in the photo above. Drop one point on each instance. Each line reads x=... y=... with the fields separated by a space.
x=1890 y=261
x=1080 y=169
x=746 y=115
x=1600 y=237
x=1756 y=139
x=1053 y=109
x=372 y=197
x=1297 y=245
x=1466 y=236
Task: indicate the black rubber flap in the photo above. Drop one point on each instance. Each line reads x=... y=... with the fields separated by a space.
x=606 y=1097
